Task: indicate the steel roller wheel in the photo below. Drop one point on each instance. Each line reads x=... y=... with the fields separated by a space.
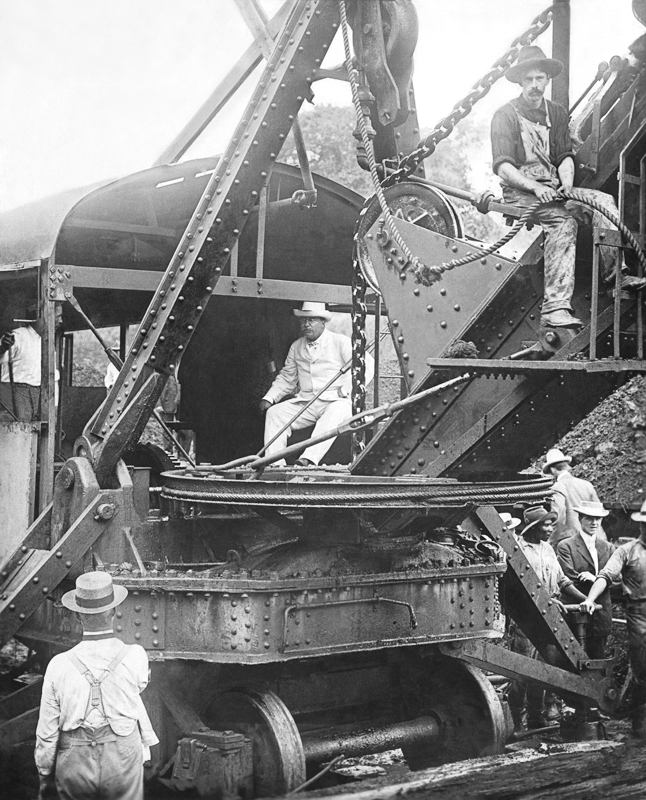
x=462 y=699
x=279 y=760
x=422 y=205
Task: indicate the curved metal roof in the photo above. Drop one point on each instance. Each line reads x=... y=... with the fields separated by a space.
x=132 y=222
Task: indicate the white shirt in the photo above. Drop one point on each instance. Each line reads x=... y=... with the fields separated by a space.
x=66 y=696
x=25 y=357
x=591 y=543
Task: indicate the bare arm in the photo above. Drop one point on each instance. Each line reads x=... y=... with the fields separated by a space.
x=598 y=588
x=566 y=172
x=514 y=177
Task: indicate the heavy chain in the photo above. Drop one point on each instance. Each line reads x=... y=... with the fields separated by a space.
x=359 y=313
x=464 y=107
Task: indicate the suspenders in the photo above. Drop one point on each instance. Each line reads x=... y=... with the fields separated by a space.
x=96 y=698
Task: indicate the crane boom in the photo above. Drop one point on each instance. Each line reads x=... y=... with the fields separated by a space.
x=216 y=224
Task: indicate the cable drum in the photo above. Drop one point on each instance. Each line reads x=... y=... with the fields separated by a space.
x=299 y=488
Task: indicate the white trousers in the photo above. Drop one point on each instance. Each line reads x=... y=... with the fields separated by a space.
x=325 y=415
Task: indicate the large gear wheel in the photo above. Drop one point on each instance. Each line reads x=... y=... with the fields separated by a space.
x=413 y=202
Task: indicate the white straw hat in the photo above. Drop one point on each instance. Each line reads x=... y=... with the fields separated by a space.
x=94 y=593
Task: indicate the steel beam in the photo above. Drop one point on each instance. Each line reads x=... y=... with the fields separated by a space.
x=212 y=106
x=215 y=226
x=601 y=691
x=136 y=280
x=500 y=366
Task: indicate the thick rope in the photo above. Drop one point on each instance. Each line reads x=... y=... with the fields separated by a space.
x=428 y=275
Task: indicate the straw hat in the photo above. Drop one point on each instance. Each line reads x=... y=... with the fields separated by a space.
x=640 y=516
x=555 y=457
x=532 y=57
x=94 y=593
x=510 y=522
x=313 y=310
x=591 y=508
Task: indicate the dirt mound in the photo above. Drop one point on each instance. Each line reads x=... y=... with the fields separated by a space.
x=608 y=447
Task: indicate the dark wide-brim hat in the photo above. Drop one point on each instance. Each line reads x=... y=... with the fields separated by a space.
x=534 y=516
x=532 y=57
x=94 y=593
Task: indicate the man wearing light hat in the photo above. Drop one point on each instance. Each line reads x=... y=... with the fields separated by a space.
x=568 y=493
x=93 y=731
x=628 y=564
x=533 y=156
x=312 y=362
x=582 y=556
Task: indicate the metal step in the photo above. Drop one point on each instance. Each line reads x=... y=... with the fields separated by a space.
x=500 y=366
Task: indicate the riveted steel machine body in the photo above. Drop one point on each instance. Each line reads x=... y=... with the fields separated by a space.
x=291 y=615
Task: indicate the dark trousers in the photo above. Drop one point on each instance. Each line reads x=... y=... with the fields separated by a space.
x=23 y=402
x=636 y=625
x=521 y=694
x=99 y=765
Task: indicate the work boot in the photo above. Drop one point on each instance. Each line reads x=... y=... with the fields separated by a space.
x=560 y=319
x=631 y=283
x=517 y=717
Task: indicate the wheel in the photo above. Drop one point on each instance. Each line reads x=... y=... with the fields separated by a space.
x=413 y=202
x=464 y=702
x=279 y=760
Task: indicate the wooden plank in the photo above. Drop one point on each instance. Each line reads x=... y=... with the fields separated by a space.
x=552 y=771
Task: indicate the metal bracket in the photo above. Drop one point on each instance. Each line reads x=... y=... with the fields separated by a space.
x=60 y=286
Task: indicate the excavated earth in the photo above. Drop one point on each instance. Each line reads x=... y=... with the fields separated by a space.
x=609 y=447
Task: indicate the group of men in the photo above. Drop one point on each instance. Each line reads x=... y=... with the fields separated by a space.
x=93 y=732
x=569 y=552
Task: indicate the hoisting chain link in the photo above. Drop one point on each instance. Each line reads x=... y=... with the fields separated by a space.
x=440 y=132
x=464 y=107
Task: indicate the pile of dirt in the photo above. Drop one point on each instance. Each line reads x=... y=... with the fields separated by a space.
x=608 y=447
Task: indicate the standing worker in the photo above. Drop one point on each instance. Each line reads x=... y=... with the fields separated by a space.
x=568 y=493
x=312 y=361
x=20 y=369
x=93 y=732
x=542 y=558
x=582 y=556
x=628 y=563
x=533 y=156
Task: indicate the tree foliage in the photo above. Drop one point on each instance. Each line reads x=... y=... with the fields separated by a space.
x=331 y=148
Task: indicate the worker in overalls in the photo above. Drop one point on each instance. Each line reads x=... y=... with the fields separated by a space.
x=93 y=732
x=533 y=156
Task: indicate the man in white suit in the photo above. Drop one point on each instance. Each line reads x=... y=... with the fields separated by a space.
x=312 y=362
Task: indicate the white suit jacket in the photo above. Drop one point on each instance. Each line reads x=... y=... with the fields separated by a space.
x=307 y=369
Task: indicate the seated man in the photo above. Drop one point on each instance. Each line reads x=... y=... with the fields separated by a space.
x=533 y=156
x=312 y=361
